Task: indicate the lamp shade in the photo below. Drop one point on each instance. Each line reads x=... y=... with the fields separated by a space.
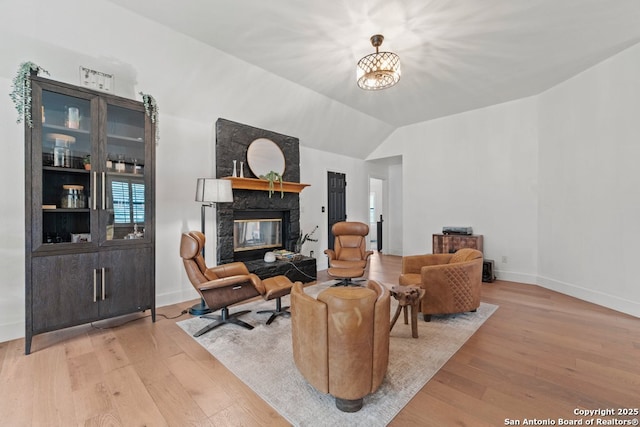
x=210 y=190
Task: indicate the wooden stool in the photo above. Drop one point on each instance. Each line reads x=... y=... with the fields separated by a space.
x=407 y=296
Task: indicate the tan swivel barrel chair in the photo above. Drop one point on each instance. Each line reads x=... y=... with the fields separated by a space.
x=341 y=340
x=452 y=282
x=349 y=256
x=219 y=286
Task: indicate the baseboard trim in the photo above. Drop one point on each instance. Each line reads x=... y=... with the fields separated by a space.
x=512 y=276
x=613 y=302
x=11 y=331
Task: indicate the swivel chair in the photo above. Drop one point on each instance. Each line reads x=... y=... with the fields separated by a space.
x=341 y=340
x=349 y=256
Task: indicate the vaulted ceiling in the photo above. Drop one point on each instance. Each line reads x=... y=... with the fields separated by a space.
x=457 y=55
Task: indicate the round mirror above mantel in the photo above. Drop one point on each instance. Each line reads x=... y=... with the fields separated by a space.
x=264 y=156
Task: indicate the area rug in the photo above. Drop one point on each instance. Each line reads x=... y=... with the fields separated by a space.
x=262 y=358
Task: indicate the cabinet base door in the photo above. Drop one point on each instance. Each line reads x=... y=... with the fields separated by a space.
x=64 y=291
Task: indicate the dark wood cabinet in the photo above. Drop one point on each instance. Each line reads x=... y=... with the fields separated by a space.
x=449 y=243
x=90 y=220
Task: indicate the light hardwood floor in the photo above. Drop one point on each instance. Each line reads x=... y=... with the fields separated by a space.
x=541 y=355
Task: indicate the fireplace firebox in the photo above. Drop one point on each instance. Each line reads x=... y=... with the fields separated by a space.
x=257 y=231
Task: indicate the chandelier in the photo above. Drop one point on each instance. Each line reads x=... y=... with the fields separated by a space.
x=378 y=70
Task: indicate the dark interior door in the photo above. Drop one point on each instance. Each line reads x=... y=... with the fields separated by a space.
x=337 y=203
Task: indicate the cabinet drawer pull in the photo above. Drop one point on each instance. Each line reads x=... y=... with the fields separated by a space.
x=94 y=199
x=104 y=189
x=103 y=292
x=94 y=284
x=235 y=288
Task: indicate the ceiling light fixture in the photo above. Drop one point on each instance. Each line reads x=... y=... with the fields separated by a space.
x=378 y=70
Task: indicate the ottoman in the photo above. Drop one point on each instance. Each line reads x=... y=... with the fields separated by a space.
x=275 y=288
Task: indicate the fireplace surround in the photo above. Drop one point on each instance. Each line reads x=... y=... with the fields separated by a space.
x=232 y=142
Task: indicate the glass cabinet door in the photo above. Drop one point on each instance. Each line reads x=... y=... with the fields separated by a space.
x=124 y=182
x=65 y=151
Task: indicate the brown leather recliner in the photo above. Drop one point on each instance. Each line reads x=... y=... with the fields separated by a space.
x=349 y=256
x=341 y=340
x=452 y=282
x=219 y=286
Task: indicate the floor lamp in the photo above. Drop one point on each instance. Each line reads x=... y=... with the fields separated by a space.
x=210 y=191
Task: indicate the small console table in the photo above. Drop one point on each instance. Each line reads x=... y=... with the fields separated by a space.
x=301 y=269
x=449 y=243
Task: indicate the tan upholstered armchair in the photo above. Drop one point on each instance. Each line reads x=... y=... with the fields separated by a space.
x=349 y=256
x=341 y=340
x=452 y=282
x=219 y=286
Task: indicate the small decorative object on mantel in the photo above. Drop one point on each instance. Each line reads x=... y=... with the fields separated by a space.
x=151 y=108
x=235 y=170
x=241 y=169
x=21 y=92
x=273 y=177
x=302 y=239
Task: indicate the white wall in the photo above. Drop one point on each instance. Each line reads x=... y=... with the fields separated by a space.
x=194 y=86
x=474 y=169
x=551 y=182
x=314 y=165
x=589 y=219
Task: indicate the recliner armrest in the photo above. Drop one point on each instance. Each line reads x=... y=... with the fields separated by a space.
x=225 y=270
x=330 y=253
x=224 y=282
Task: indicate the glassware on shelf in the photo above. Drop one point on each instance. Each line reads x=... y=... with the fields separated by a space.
x=137 y=169
x=72 y=120
x=120 y=166
x=61 y=149
x=73 y=197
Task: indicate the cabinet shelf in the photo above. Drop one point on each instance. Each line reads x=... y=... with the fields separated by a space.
x=64 y=129
x=64 y=170
x=67 y=210
x=263 y=185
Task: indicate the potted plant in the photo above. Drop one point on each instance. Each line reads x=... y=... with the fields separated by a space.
x=273 y=177
x=302 y=239
x=21 y=91
x=87 y=162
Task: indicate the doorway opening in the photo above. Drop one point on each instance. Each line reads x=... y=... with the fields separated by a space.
x=376 y=197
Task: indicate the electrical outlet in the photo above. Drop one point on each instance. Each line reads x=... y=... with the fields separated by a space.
x=504 y=259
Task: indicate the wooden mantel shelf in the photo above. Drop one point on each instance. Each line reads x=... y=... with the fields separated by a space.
x=263 y=185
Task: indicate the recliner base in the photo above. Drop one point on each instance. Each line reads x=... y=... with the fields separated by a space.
x=223 y=319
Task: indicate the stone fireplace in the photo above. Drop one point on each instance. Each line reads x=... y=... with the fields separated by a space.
x=232 y=142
